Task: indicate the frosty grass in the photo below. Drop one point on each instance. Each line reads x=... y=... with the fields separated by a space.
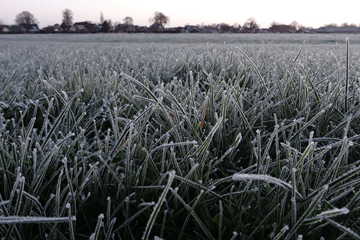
x=103 y=139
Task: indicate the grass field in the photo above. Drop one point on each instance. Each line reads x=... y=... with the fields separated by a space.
x=179 y=137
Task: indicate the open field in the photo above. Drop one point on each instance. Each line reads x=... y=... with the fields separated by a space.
x=187 y=38
x=154 y=136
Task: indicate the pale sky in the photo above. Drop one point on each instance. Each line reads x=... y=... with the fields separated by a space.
x=311 y=13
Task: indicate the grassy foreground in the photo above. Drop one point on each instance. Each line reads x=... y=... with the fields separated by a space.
x=167 y=141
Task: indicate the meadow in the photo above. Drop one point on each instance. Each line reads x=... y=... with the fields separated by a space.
x=117 y=136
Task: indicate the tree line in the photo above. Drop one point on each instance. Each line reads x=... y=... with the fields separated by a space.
x=157 y=22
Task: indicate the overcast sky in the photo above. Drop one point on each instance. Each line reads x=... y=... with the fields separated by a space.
x=311 y=13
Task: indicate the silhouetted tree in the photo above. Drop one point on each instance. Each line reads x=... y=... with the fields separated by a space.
x=160 y=19
x=128 y=24
x=273 y=23
x=109 y=22
x=128 y=21
x=224 y=27
x=345 y=24
x=295 y=24
x=331 y=25
x=101 y=18
x=67 y=19
x=25 y=18
x=236 y=25
x=105 y=27
x=250 y=23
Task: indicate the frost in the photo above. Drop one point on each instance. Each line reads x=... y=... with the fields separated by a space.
x=16 y=219
x=146 y=204
x=266 y=178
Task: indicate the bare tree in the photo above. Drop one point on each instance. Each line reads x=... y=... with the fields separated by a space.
x=250 y=23
x=26 y=18
x=273 y=23
x=109 y=22
x=295 y=24
x=67 y=17
x=236 y=25
x=160 y=19
x=2 y=22
x=128 y=24
x=331 y=25
x=224 y=27
x=345 y=24
x=128 y=21
x=101 y=18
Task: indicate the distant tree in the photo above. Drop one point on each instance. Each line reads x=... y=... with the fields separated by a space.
x=236 y=25
x=128 y=21
x=295 y=24
x=101 y=18
x=128 y=24
x=67 y=18
x=63 y=26
x=273 y=23
x=224 y=27
x=301 y=26
x=2 y=22
x=331 y=25
x=26 y=18
x=105 y=27
x=109 y=22
x=250 y=23
x=345 y=24
x=160 y=19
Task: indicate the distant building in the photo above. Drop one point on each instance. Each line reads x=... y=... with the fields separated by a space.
x=142 y=29
x=85 y=27
x=17 y=29
x=338 y=30
x=189 y=27
x=53 y=29
x=30 y=28
x=305 y=30
x=78 y=29
x=250 y=30
x=265 y=30
x=4 y=29
x=194 y=30
x=282 y=28
x=173 y=30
